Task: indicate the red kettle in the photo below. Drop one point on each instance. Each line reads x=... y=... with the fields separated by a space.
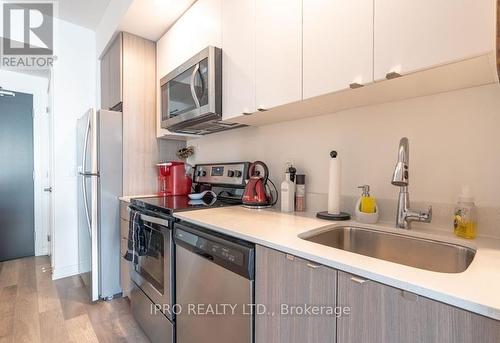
x=256 y=195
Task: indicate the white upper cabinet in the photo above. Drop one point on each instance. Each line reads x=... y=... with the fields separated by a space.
x=205 y=21
x=174 y=48
x=198 y=28
x=338 y=45
x=411 y=35
x=238 y=48
x=278 y=52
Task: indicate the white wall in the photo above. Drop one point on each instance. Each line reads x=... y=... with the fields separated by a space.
x=74 y=92
x=38 y=87
x=454 y=140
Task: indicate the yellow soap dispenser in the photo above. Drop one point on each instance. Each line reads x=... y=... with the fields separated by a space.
x=366 y=208
x=465 y=221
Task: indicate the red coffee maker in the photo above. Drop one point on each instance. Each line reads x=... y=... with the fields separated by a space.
x=172 y=179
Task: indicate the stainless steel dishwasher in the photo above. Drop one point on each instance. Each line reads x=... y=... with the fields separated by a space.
x=214 y=286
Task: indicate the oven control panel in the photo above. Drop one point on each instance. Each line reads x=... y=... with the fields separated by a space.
x=228 y=174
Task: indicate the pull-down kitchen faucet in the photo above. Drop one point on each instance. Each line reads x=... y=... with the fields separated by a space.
x=400 y=178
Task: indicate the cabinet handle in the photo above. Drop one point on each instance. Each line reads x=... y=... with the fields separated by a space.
x=392 y=75
x=314 y=266
x=359 y=280
x=260 y=109
x=247 y=113
x=355 y=85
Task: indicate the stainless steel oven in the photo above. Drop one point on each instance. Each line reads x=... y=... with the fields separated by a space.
x=191 y=95
x=153 y=278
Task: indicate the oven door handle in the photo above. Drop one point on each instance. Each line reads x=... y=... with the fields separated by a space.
x=154 y=220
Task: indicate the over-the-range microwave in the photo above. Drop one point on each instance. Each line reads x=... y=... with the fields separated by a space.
x=191 y=95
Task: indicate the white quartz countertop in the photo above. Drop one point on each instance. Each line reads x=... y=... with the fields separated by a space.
x=128 y=198
x=477 y=289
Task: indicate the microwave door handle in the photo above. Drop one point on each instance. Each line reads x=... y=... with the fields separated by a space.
x=191 y=84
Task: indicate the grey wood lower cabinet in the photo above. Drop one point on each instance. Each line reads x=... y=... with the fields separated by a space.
x=282 y=281
x=378 y=313
x=383 y=314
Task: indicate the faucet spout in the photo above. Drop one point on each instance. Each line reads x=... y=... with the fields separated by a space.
x=400 y=178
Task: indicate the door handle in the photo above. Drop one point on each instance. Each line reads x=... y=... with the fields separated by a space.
x=48 y=189
x=191 y=84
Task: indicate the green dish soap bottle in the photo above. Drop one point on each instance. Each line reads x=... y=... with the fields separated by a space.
x=465 y=222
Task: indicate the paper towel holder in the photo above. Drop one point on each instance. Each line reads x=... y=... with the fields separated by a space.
x=341 y=216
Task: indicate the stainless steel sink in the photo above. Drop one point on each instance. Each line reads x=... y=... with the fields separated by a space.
x=408 y=250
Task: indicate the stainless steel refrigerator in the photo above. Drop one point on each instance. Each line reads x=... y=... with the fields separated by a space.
x=99 y=166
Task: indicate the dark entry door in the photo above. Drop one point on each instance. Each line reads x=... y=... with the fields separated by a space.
x=17 y=222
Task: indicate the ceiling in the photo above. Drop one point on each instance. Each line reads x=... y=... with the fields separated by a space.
x=152 y=18
x=146 y=18
x=86 y=13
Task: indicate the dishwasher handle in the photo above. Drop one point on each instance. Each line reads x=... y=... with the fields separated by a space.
x=205 y=255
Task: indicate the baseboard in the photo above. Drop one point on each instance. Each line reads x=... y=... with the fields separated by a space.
x=65 y=271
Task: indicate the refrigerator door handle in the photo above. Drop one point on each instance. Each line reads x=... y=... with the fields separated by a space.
x=84 y=183
x=85 y=199
x=85 y=143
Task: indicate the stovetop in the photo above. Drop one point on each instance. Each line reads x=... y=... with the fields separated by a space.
x=171 y=204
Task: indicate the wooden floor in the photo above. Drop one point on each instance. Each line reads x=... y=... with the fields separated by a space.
x=33 y=308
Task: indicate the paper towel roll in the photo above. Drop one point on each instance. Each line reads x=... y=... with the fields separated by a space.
x=334 y=184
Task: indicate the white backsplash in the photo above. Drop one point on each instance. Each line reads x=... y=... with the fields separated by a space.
x=167 y=149
x=442 y=214
x=454 y=141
